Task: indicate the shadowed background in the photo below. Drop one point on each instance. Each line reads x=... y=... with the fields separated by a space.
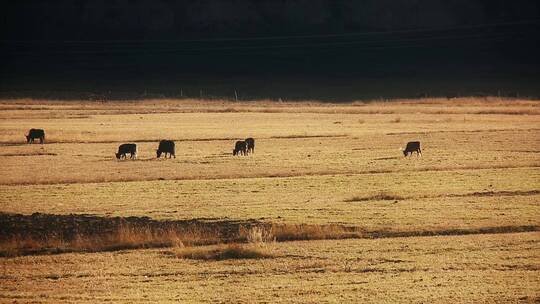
x=298 y=49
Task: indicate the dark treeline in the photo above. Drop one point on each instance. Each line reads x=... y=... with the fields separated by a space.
x=294 y=49
x=165 y=19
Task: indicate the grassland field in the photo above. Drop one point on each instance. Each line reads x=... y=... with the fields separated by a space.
x=459 y=224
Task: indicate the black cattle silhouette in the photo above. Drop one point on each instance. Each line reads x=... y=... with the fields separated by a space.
x=250 y=142
x=412 y=146
x=124 y=149
x=166 y=146
x=35 y=133
x=240 y=148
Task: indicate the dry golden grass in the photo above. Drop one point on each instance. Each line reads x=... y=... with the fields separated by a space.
x=302 y=139
x=222 y=252
x=125 y=237
x=50 y=234
x=486 y=268
x=320 y=172
x=440 y=200
x=28 y=108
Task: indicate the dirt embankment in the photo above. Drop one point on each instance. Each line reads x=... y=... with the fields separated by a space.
x=40 y=233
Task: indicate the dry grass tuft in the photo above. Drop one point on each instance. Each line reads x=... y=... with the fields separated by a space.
x=255 y=234
x=381 y=196
x=222 y=252
x=292 y=232
x=125 y=237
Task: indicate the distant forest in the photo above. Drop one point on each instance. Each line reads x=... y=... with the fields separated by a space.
x=166 y=19
x=296 y=49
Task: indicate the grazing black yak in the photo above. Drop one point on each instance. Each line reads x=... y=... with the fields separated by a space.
x=123 y=149
x=35 y=133
x=412 y=146
x=166 y=146
x=250 y=143
x=240 y=148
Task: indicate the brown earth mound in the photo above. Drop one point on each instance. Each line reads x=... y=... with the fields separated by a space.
x=48 y=233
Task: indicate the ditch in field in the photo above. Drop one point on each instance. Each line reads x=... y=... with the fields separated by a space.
x=49 y=234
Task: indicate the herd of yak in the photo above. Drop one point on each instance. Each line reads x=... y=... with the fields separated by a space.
x=241 y=147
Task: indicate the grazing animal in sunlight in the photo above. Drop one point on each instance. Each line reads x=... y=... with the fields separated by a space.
x=240 y=148
x=166 y=146
x=124 y=149
x=412 y=146
x=250 y=142
x=35 y=133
